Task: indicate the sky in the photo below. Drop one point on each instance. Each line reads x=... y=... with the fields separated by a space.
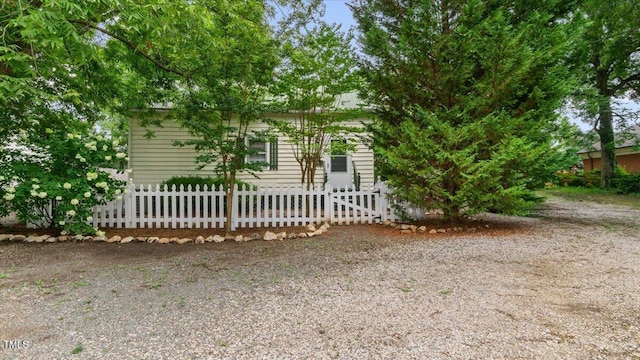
x=338 y=12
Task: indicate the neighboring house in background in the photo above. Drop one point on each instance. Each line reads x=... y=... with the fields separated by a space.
x=627 y=153
x=156 y=159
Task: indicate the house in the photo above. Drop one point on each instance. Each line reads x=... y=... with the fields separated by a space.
x=155 y=160
x=627 y=153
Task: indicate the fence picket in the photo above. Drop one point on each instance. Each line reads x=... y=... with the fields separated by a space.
x=187 y=207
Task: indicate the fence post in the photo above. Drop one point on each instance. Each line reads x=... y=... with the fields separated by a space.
x=381 y=200
x=234 y=213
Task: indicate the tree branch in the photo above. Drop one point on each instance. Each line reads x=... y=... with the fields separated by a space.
x=624 y=82
x=129 y=44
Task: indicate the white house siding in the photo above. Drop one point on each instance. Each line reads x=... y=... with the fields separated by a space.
x=155 y=160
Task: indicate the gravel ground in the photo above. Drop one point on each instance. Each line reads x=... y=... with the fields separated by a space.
x=563 y=285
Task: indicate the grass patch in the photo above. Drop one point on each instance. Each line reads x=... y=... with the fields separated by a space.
x=596 y=195
x=77 y=350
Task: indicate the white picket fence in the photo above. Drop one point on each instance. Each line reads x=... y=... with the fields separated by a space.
x=277 y=206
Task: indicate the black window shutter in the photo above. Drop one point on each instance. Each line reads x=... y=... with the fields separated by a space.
x=273 y=152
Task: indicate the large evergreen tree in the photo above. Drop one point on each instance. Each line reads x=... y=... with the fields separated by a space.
x=466 y=92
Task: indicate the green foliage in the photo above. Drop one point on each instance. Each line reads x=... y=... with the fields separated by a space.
x=317 y=70
x=606 y=63
x=624 y=182
x=592 y=178
x=55 y=177
x=197 y=182
x=570 y=178
x=473 y=132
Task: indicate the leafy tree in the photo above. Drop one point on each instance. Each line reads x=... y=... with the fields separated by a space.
x=318 y=69
x=214 y=62
x=54 y=81
x=607 y=55
x=466 y=93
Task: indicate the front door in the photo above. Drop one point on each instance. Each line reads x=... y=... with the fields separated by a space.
x=339 y=169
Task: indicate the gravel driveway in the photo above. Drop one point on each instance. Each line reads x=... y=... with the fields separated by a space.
x=563 y=285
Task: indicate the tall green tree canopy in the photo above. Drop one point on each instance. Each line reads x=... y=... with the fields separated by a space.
x=466 y=93
x=607 y=58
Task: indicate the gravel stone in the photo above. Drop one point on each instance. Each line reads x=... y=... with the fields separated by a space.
x=562 y=285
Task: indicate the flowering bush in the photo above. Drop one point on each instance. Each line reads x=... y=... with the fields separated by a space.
x=55 y=177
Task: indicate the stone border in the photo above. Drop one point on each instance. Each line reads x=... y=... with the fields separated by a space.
x=311 y=231
x=406 y=229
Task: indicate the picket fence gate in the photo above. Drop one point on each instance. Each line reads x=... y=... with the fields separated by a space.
x=275 y=206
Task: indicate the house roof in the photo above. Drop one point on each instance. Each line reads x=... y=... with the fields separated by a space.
x=629 y=138
x=346 y=101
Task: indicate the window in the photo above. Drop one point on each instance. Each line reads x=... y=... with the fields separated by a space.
x=338 y=156
x=265 y=152
x=261 y=152
x=339 y=163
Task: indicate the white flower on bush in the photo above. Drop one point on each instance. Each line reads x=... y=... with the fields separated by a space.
x=121 y=155
x=79 y=157
x=48 y=131
x=129 y=171
x=58 y=198
x=100 y=233
x=102 y=184
x=118 y=197
x=61 y=223
x=42 y=195
x=35 y=180
x=71 y=213
x=126 y=191
x=108 y=157
x=74 y=202
x=66 y=186
x=115 y=143
x=87 y=194
x=9 y=196
x=92 y=176
x=70 y=136
x=1 y=177
x=10 y=189
x=100 y=137
x=34 y=193
x=117 y=192
x=89 y=218
x=63 y=232
x=105 y=148
x=35 y=186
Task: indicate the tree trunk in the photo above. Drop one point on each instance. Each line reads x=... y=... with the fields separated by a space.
x=607 y=142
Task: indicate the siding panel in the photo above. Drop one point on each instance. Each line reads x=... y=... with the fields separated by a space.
x=155 y=160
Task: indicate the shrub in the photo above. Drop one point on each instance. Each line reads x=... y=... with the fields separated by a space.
x=624 y=182
x=51 y=177
x=570 y=178
x=592 y=178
